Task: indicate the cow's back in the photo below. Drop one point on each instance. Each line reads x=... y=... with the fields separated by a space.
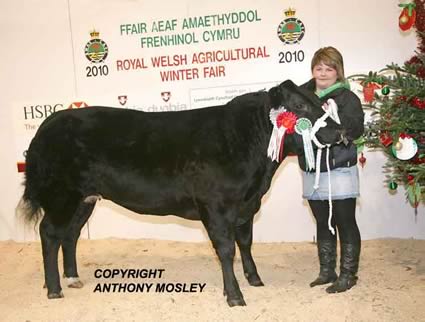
x=159 y=163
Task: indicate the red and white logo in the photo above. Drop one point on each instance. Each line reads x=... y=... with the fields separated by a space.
x=122 y=99
x=166 y=96
x=77 y=105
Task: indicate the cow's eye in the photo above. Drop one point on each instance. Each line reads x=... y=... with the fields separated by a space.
x=301 y=108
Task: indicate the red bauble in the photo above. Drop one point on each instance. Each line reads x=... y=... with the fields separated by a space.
x=362 y=160
x=386 y=139
x=417 y=102
x=406 y=21
x=369 y=91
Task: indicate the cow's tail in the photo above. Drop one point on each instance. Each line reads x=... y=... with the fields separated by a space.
x=30 y=211
x=30 y=205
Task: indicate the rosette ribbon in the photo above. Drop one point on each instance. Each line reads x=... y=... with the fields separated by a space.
x=303 y=127
x=283 y=123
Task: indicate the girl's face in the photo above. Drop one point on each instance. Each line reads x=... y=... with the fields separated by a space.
x=324 y=75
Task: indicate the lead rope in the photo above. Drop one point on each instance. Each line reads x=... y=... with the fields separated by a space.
x=328 y=168
x=317 y=178
x=317 y=125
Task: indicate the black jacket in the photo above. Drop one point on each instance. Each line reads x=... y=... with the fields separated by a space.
x=351 y=114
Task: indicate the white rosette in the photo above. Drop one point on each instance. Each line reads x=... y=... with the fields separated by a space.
x=277 y=135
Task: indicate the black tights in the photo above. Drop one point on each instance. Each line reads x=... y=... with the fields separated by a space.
x=343 y=218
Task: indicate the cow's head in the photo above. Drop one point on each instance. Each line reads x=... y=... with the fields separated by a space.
x=305 y=104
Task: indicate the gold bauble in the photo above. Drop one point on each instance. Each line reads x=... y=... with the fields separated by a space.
x=398 y=146
x=404 y=20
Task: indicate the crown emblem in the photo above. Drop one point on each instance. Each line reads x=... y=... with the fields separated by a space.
x=291 y=30
x=290 y=12
x=94 y=34
x=96 y=50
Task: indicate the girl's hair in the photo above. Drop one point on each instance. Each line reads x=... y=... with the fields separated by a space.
x=332 y=57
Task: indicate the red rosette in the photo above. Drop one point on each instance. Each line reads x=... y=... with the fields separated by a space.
x=287 y=120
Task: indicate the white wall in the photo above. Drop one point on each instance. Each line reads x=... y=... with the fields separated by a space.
x=41 y=62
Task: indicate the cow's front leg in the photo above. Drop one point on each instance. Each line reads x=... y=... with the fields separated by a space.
x=222 y=235
x=226 y=253
x=244 y=240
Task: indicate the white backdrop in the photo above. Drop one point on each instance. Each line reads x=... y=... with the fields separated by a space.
x=43 y=66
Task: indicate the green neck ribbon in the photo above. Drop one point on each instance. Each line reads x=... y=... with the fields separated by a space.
x=330 y=89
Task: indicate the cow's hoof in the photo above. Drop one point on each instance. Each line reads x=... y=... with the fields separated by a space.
x=92 y=199
x=254 y=280
x=74 y=282
x=77 y=284
x=51 y=296
x=236 y=302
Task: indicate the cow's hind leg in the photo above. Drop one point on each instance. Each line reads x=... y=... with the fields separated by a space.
x=51 y=236
x=222 y=235
x=69 y=243
x=244 y=240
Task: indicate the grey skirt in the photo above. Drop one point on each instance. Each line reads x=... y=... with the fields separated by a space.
x=344 y=184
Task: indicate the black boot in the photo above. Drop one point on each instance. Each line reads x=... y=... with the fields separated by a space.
x=350 y=254
x=327 y=259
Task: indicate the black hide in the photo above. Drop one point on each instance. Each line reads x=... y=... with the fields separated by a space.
x=207 y=164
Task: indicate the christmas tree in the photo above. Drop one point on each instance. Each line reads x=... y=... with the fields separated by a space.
x=396 y=96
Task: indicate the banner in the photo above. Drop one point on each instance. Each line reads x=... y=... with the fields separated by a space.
x=134 y=55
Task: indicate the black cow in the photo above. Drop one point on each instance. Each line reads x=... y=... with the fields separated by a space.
x=207 y=164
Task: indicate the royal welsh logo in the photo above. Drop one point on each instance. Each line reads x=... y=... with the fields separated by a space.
x=96 y=49
x=291 y=30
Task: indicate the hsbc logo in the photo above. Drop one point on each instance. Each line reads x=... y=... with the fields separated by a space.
x=35 y=112
x=77 y=105
x=40 y=112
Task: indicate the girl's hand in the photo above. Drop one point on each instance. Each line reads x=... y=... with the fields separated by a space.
x=325 y=106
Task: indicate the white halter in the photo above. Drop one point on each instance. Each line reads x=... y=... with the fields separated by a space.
x=332 y=112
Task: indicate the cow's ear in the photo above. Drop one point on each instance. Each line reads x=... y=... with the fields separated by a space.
x=276 y=96
x=281 y=94
x=289 y=85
